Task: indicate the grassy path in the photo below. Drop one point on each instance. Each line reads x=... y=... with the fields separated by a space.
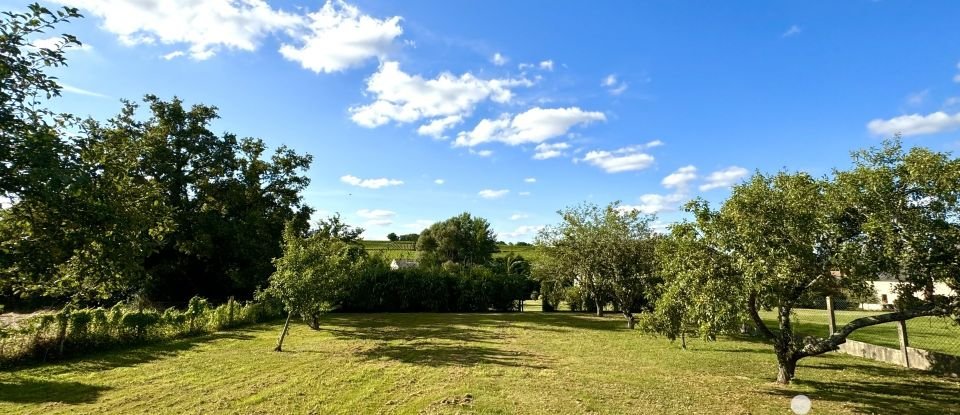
x=462 y=363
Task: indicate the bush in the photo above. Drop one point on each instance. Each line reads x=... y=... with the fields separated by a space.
x=76 y=331
x=448 y=288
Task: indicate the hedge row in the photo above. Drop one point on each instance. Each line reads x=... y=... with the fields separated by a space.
x=469 y=289
x=73 y=331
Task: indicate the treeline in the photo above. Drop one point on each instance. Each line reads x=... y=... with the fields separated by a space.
x=151 y=202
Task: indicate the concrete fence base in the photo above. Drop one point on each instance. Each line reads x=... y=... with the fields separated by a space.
x=918 y=358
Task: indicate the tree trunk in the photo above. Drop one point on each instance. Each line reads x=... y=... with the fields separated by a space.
x=283 y=333
x=631 y=322
x=599 y=306
x=683 y=340
x=786 y=368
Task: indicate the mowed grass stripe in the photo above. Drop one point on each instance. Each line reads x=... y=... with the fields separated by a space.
x=526 y=363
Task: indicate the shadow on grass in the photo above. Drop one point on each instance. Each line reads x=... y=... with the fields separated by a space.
x=437 y=339
x=27 y=391
x=884 y=390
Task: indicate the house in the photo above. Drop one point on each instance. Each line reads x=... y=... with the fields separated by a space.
x=402 y=263
x=885 y=288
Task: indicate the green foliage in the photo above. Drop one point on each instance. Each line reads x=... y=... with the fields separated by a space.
x=462 y=239
x=457 y=289
x=75 y=331
x=607 y=252
x=392 y=237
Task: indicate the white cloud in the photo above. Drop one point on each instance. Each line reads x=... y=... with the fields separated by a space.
x=436 y=127
x=654 y=143
x=917 y=98
x=651 y=204
x=549 y=150
x=173 y=55
x=481 y=153
x=546 y=65
x=522 y=231
x=523 y=194
x=536 y=125
x=339 y=36
x=613 y=85
x=499 y=59
x=493 y=194
x=518 y=216
x=681 y=178
x=80 y=91
x=439 y=181
x=57 y=42
x=915 y=124
x=376 y=213
x=370 y=183
x=405 y=98
x=951 y=101
x=792 y=31
x=530 y=180
x=620 y=160
x=724 y=178
x=206 y=26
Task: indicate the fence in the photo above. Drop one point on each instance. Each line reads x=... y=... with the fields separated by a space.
x=926 y=343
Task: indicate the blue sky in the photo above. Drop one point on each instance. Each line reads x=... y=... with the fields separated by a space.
x=522 y=108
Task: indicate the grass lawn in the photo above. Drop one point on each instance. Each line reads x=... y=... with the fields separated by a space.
x=534 y=363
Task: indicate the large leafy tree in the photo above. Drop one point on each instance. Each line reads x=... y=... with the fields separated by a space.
x=791 y=236
x=608 y=252
x=462 y=239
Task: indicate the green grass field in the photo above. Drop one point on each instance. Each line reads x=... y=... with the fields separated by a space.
x=526 y=363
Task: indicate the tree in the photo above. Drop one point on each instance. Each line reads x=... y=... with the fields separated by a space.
x=311 y=276
x=692 y=273
x=462 y=239
x=392 y=237
x=606 y=252
x=409 y=237
x=791 y=235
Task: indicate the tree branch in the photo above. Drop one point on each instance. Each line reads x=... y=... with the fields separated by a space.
x=757 y=321
x=822 y=345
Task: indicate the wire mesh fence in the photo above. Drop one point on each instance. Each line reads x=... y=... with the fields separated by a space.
x=935 y=334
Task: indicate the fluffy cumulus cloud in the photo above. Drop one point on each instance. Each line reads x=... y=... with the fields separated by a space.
x=339 y=36
x=624 y=159
x=404 y=98
x=915 y=124
x=546 y=65
x=536 y=125
x=518 y=216
x=499 y=59
x=439 y=181
x=724 y=178
x=651 y=204
x=370 y=183
x=56 y=42
x=681 y=178
x=376 y=213
x=492 y=194
x=205 y=27
x=549 y=150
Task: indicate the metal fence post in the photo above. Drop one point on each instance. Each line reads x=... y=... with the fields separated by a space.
x=904 y=342
x=832 y=317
